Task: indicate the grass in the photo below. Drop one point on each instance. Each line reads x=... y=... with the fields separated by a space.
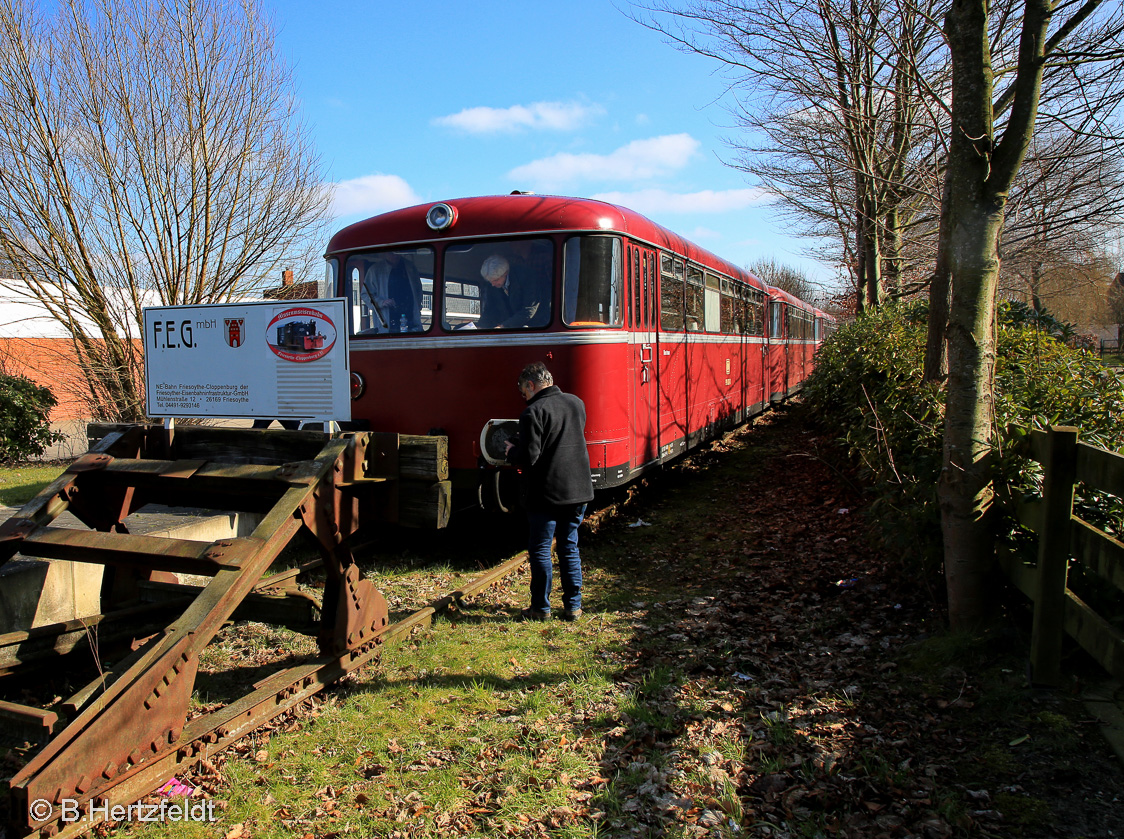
x=475 y=725
x=22 y=482
x=646 y=718
x=479 y=725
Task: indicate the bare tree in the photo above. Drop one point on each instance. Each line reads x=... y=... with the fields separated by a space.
x=151 y=153
x=785 y=277
x=1070 y=186
x=845 y=99
x=1076 y=47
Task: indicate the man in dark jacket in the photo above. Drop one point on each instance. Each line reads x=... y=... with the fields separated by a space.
x=552 y=453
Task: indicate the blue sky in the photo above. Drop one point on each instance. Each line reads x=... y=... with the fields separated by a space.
x=425 y=101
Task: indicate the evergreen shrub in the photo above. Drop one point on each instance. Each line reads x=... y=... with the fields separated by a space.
x=867 y=391
x=25 y=419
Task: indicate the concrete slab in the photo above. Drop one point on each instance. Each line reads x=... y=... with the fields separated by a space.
x=1106 y=703
x=34 y=592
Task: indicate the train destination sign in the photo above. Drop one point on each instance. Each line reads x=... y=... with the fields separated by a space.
x=273 y=359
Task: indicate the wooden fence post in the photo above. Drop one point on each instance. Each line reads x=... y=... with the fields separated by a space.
x=1053 y=555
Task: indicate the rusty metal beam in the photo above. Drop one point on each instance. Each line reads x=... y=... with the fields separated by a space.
x=37 y=718
x=44 y=644
x=178 y=555
x=128 y=729
x=275 y=695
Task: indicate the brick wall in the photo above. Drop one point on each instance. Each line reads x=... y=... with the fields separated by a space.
x=50 y=362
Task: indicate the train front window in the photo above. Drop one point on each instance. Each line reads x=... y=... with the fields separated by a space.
x=592 y=286
x=498 y=285
x=391 y=291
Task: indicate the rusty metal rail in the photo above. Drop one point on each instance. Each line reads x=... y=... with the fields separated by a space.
x=127 y=731
x=211 y=733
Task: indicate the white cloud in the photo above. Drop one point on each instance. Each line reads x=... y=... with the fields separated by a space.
x=371 y=194
x=638 y=160
x=656 y=201
x=541 y=116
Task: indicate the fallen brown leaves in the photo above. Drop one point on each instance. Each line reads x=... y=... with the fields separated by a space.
x=791 y=716
x=767 y=685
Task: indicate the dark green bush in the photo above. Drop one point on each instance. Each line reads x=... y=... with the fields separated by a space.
x=25 y=419
x=867 y=390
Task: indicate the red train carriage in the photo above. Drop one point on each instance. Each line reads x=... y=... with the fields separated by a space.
x=667 y=344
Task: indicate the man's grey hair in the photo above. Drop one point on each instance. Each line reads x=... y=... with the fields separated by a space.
x=537 y=374
x=494 y=266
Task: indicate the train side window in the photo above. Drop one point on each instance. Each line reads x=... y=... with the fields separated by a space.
x=391 y=291
x=637 y=299
x=331 y=278
x=591 y=283
x=712 y=304
x=693 y=305
x=776 y=319
x=755 y=312
x=498 y=284
x=671 y=294
x=729 y=322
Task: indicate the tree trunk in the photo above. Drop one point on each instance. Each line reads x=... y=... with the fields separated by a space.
x=965 y=490
x=940 y=299
x=893 y=250
x=980 y=174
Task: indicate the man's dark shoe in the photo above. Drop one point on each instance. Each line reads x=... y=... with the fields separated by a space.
x=534 y=615
x=571 y=614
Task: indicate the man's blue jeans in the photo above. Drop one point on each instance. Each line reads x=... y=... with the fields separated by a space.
x=559 y=524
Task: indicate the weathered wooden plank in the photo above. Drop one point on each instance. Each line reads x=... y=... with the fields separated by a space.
x=1053 y=556
x=424 y=504
x=227 y=486
x=1098 y=551
x=1100 y=469
x=1095 y=635
x=1023 y=576
x=423 y=458
x=1037 y=444
x=247 y=445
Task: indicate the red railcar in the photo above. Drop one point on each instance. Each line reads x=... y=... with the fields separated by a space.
x=667 y=344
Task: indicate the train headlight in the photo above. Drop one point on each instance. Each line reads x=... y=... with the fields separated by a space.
x=493 y=436
x=441 y=217
x=358 y=385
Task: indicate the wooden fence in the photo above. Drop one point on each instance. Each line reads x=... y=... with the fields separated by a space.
x=1063 y=537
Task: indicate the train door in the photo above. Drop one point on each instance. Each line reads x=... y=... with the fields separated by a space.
x=776 y=367
x=762 y=361
x=671 y=355
x=645 y=401
x=652 y=308
x=751 y=355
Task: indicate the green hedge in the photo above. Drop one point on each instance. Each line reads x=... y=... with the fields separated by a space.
x=867 y=390
x=25 y=419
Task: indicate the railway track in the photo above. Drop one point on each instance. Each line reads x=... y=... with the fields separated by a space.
x=128 y=730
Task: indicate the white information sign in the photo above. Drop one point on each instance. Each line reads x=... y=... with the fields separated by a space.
x=275 y=359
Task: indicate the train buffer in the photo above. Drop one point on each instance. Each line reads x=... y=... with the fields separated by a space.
x=131 y=727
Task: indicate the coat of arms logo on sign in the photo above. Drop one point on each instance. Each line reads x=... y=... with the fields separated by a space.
x=234 y=328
